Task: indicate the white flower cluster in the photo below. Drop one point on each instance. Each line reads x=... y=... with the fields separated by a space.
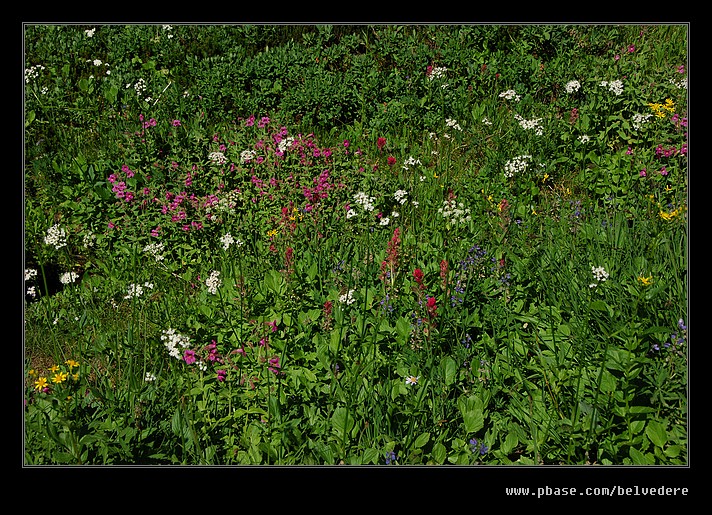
x=510 y=94
x=530 y=124
x=32 y=72
x=453 y=123
x=217 y=158
x=639 y=120
x=599 y=274
x=616 y=86
x=139 y=87
x=516 y=165
x=437 y=72
x=174 y=342
x=247 y=155
x=411 y=161
x=228 y=240
x=679 y=84
x=285 y=143
x=572 y=86
x=98 y=62
x=156 y=250
x=56 y=236
x=168 y=29
x=347 y=298
x=213 y=282
x=364 y=201
x=89 y=239
x=136 y=290
x=584 y=138
x=68 y=277
x=30 y=273
x=400 y=196
x=90 y=32
x=455 y=212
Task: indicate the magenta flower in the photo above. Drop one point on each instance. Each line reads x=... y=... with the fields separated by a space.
x=221 y=375
x=176 y=123
x=189 y=356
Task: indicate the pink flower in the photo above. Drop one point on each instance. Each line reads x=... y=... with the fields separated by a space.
x=643 y=173
x=176 y=123
x=221 y=375
x=189 y=356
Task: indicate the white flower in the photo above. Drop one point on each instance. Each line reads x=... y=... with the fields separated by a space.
x=31 y=291
x=56 y=236
x=155 y=249
x=217 y=157
x=30 y=273
x=227 y=240
x=530 y=124
x=350 y=213
x=516 y=165
x=150 y=377
x=486 y=121
x=247 y=155
x=453 y=123
x=90 y=32
x=455 y=212
x=347 y=298
x=616 y=87
x=68 y=277
x=213 y=282
x=639 y=120
x=584 y=138
x=572 y=86
x=364 y=200
x=599 y=273
x=385 y=220
x=437 y=72
x=510 y=94
x=411 y=380
x=174 y=342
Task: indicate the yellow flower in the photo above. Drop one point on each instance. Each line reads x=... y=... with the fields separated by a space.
x=41 y=383
x=72 y=364
x=669 y=105
x=75 y=376
x=32 y=372
x=59 y=377
x=546 y=176
x=646 y=281
x=271 y=233
x=53 y=368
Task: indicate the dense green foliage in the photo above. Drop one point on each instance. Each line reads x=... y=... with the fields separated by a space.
x=355 y=244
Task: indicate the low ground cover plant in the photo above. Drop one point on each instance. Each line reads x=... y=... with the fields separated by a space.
x=363 y=245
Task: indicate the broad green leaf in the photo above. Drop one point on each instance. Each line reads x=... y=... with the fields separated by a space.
x=474 y=421
x=656 y=432
x=422 y=440
x=450 y=370
x=439 y=453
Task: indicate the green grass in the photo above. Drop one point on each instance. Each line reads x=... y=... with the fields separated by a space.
x=422 y=268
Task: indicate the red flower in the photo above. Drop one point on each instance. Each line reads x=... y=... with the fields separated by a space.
x=380 y=143
x=432 y=307
x=391 y=160
x=418 y=276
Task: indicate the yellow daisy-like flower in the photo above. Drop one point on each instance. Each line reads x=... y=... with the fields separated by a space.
x=32 y=372
x=669 y=105
x=59 y=377
x=41 y=383
x=54 y=368
x=72 y=364
x=646 y=281
x=271 y=233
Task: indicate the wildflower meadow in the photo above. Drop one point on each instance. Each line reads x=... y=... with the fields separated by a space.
x=392 y=245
